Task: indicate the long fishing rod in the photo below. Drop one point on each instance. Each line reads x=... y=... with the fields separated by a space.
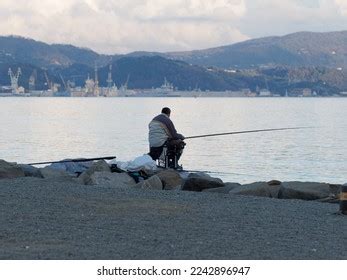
x=245 y=131
x=189 y=137
x=72 y=160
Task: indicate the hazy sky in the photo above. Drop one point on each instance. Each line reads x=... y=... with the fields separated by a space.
x=120 y=26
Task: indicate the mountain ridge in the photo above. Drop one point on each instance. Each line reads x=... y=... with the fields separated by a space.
x=298 y=60
x=305 y=48
x=296 y=49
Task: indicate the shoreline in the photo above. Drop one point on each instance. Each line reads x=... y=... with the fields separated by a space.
x=58 y=217
x=43 y=219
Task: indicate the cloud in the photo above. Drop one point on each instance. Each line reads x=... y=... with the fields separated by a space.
x=114 y=26
x=342 y=5
x=218 y=10
x=117 y=26
x=273 y=17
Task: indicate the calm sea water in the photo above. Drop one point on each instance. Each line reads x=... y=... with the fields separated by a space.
x=47 y=129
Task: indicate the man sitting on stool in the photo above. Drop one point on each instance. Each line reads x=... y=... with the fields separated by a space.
x=162 y=131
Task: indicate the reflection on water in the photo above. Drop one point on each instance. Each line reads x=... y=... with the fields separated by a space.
x=42 y=129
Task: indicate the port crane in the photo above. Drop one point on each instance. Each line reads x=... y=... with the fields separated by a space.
x=109 y=77
x=62 y=79
x=32 y=80
x=14 y=79
x=96 y=91
x=125 y=86
x=49 y=84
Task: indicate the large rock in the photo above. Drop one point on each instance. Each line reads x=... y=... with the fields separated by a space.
x=201 y=181
x=304 y=190
x=152 y=183
x=226 y=189
x=72 y=167
x=99 y=166
x=55 y=174
x=202 y=175
x=10 y=170
x=116 y=180
x=274 y=183
x=30 y=171
x=171 y=179
x=258 y=189
x=334 y=196
x=335 y=190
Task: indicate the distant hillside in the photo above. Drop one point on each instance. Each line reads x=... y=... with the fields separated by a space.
x=302 y=60
x=298 y=49
x=143 y=72
x=148 y=72
x=23 y=50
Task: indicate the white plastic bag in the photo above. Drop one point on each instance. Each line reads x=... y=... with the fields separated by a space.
x=144 y=162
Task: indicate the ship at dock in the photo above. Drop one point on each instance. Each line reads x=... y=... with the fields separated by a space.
x=92 y=88
x=165 y=90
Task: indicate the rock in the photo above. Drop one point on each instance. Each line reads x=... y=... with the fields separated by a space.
x=226 y=189
x=72 y=167
x=170 y=179
x=10 y=170
x=116 y=180
x=99 y=166
x=152 y=183
x=304 y=190
x=200 y=181
x=334 y=196
x=274 y=183
x=335 y=190
x=55 y=174
x=205 y=176
x=177 y=188
x=30 y=171
x=257 y=189
x=330 y=199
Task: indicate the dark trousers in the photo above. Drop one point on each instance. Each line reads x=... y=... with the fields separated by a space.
x=173 y=145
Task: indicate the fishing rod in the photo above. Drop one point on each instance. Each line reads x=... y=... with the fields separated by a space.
x=73 y=160
x=189 y=137
x=245 y=131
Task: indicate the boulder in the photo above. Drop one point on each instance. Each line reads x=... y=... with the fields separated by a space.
x=30 y=171
x=334 y=196
x=99 y=166
x=201 y=181
x=202 y=175
x=330 y=199
x=55 y=174
x=152 y=183
x=335 y=190
x=274 y=183
x=304 y=190
x=10 y=170
x=116 y=180
x=72 y=167
x=257 y=189
x=226 y=189
x=170 y=179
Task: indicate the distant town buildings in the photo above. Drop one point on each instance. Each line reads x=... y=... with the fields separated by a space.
x=92 y=89
x=264 y=93
x=306 y=92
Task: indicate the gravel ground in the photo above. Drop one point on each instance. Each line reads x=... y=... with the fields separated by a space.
x=43 y=219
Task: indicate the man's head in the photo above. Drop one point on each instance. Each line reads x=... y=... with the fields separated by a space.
x=166 y=111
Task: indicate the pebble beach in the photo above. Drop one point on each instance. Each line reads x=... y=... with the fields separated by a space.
x=51 y=219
